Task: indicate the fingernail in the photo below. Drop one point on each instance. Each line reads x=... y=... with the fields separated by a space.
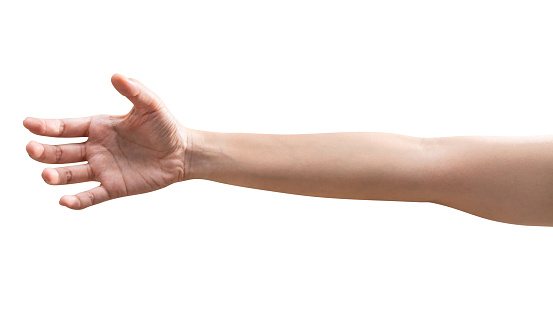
x=33 y=151
x=27 y=120
x=30 y=122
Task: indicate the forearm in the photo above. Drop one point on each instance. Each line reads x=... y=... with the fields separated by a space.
x=507 y=179
x=373 y=166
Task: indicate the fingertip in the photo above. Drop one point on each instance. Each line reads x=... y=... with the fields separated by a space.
x=70 y=201
x=35 y=149
x=124 y=85
x=50 y=176
x=27 y=121
x=117 y=76
x=34 y=125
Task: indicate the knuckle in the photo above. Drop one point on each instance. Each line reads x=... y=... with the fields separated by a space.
x=43 y=127
x=83 y=152
x=90 y=196
x=87 y=129
x=68 y=175
x=58 y=154
x=90 y=172
x=61 y=128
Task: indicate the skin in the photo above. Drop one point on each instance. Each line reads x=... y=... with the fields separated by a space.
x=135 y=153
x=506 y=179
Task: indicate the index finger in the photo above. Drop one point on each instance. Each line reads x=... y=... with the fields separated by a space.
x=72 y=127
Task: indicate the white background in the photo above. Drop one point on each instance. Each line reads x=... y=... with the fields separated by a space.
x=420 y=68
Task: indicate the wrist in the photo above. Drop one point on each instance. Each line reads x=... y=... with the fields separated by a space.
x=198 y=152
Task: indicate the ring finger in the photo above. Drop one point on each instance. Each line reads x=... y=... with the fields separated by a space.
x=57 y=154
x=68 y=174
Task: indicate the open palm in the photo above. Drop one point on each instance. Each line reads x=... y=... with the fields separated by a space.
x=141 y=151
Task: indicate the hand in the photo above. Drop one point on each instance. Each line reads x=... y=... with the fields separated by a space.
x=142 y=151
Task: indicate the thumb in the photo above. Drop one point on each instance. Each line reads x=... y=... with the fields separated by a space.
x=143 y=99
